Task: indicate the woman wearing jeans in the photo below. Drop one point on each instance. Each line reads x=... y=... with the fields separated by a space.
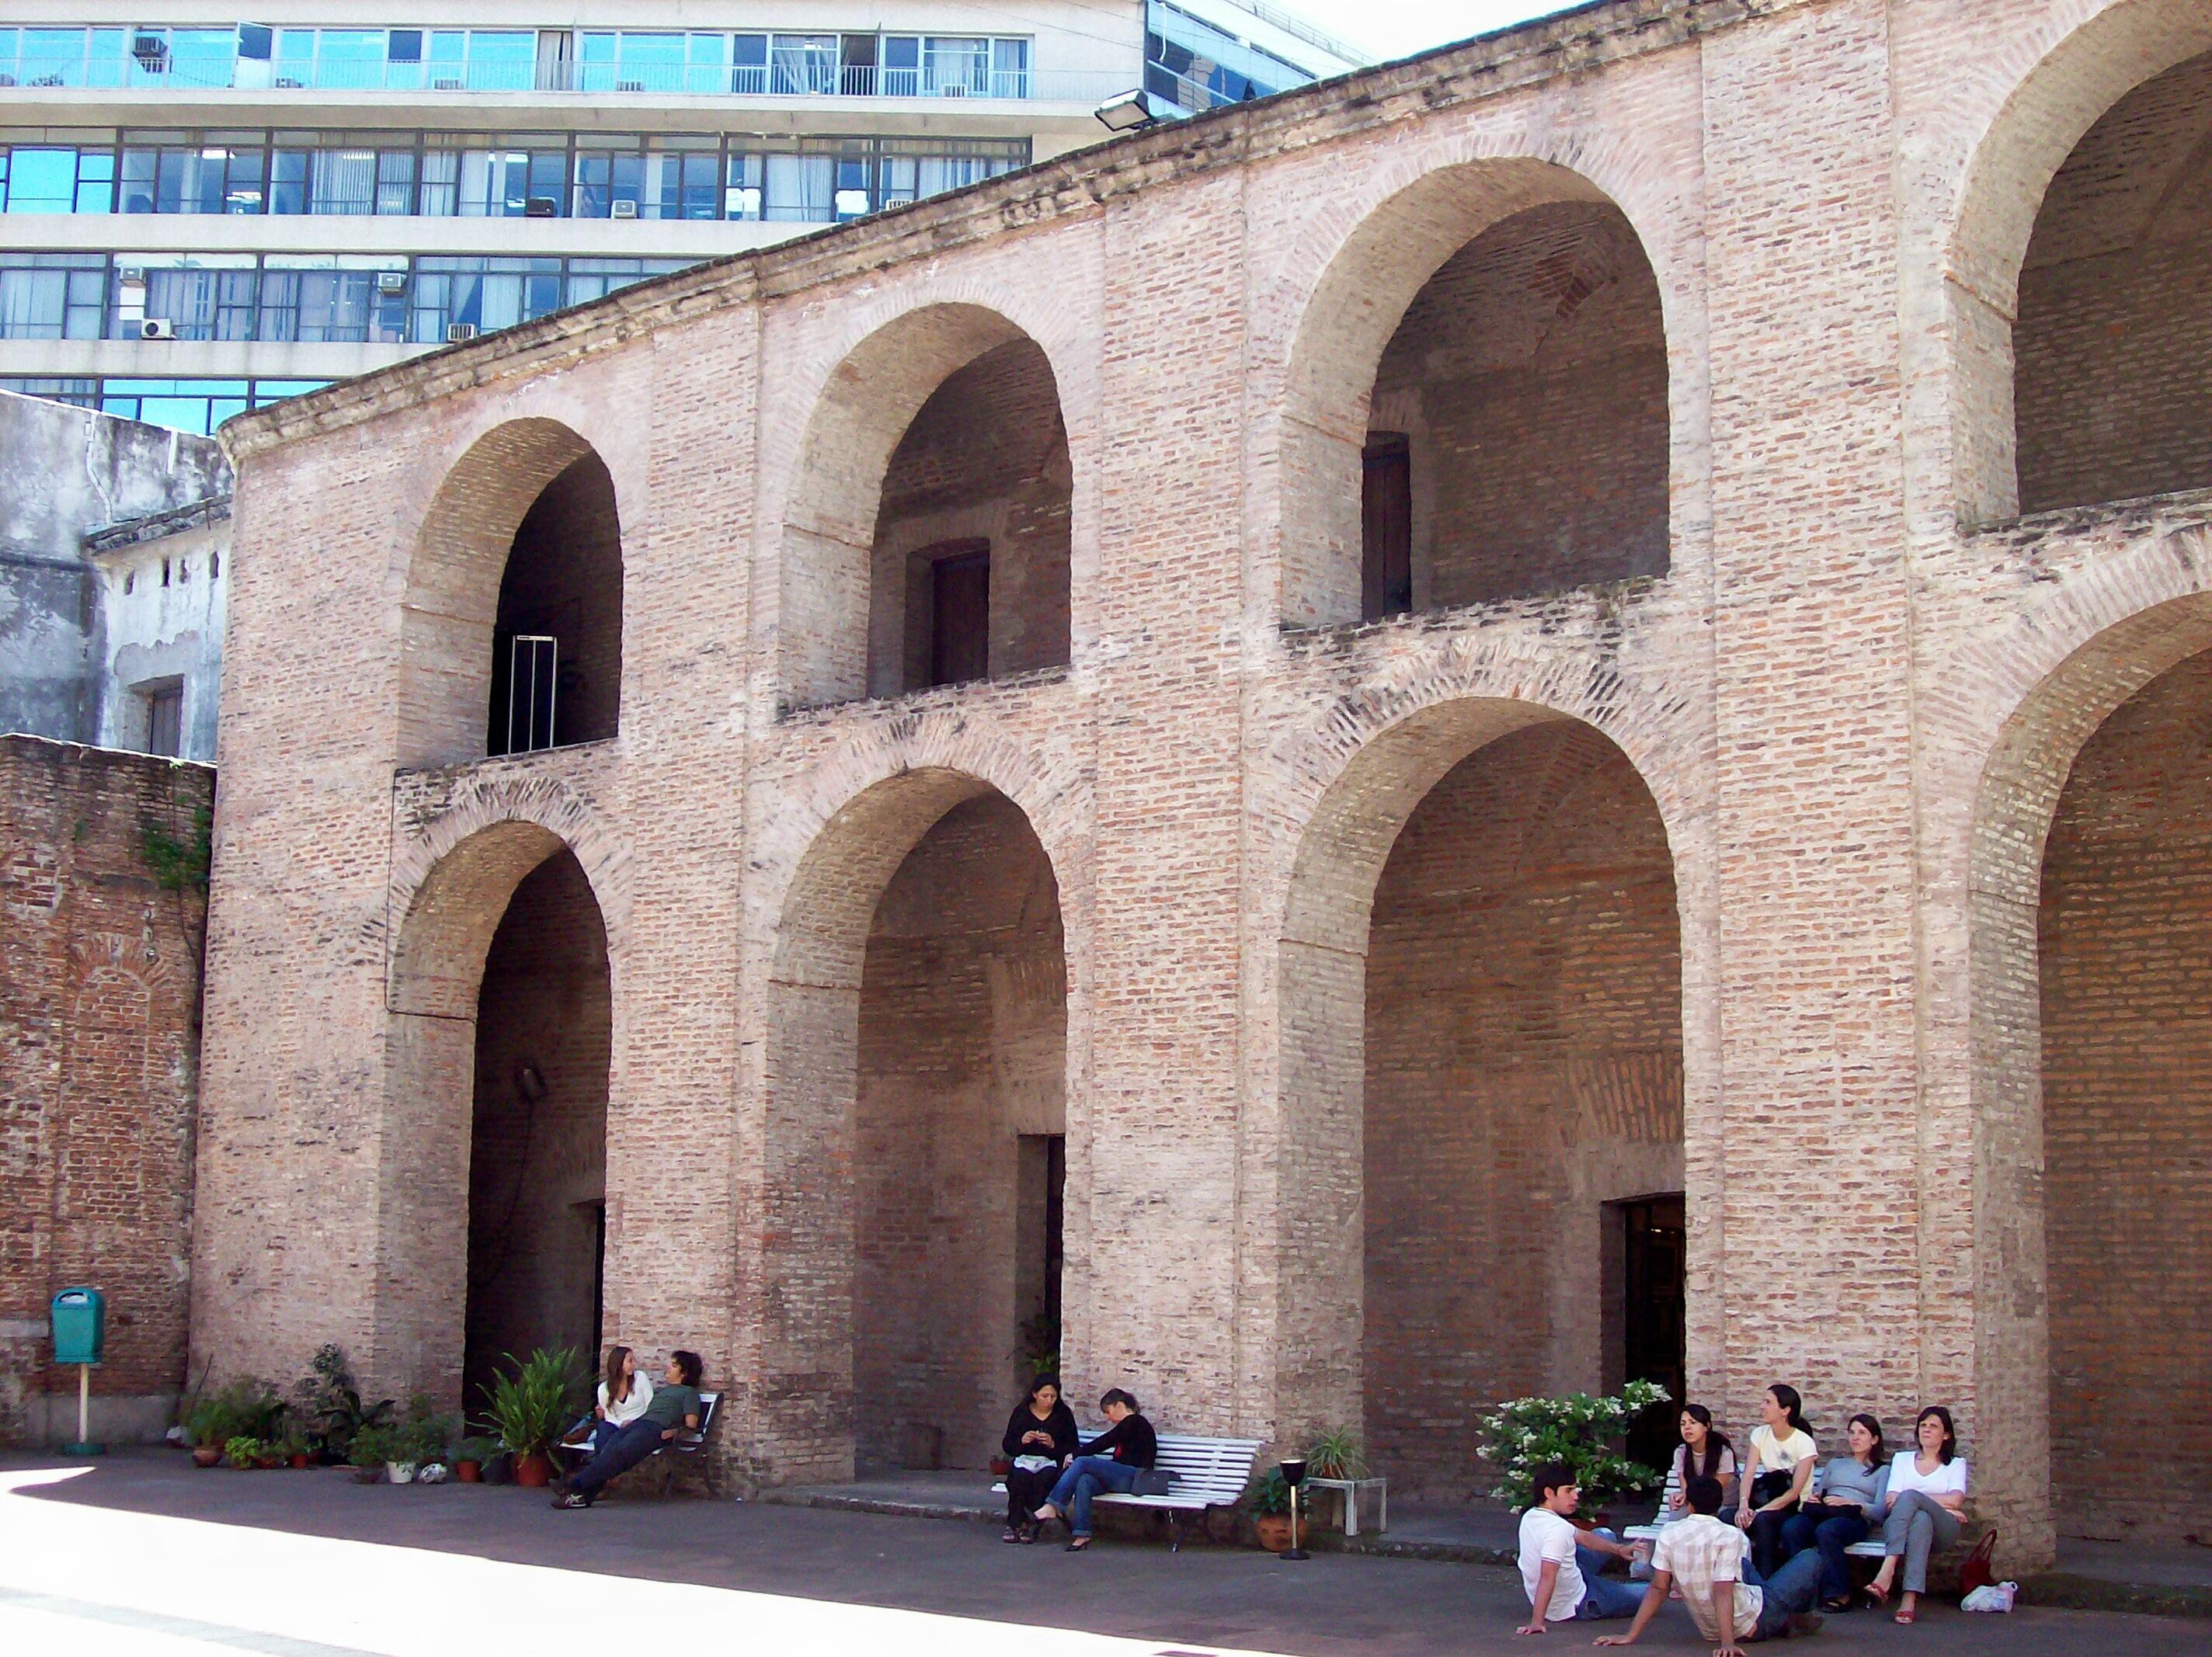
x=1849 y=1491
x=1927 y=1504
x=1110 y=1462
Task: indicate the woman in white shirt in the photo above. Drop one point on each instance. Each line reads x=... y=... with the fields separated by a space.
x=1927 y=1508
x=624 y=1394
x=1782 y=1456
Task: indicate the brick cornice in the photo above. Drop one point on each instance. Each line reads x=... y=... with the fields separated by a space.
x=1065 y=187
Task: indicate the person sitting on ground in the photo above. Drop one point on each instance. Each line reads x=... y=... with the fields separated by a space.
x=1782 y=1457
x=1847 y=1497
x=1110 y=1462
x=674 y=1409
x=624 y=1394
x=1731 y=1604
x=1040 y=1437
x=1925 y=1507
x=1704 y=1453
x=1559 y=1564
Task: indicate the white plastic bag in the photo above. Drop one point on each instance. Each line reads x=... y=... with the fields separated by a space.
x=1992 y=1596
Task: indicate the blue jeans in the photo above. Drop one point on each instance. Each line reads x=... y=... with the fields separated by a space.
x=1083 y=1478
x=631 y=1445
x=1602 y=1596
x=1787 y=1592
x=1830 y=1536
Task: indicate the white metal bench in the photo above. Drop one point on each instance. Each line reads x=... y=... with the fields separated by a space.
x=1205 y=1472
x=684 y=1443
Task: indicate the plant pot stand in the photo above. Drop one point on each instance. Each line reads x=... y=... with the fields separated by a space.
x=1353 y=1491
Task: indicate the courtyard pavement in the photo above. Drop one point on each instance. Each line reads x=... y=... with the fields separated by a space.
x=140 y=1555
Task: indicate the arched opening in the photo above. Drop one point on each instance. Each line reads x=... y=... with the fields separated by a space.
x=1482 y=1072
x=557 y=637
x=2113 y=347
x=511 y=632
x=537 y=1189
x=916 y=1134
x=970 y=578
x=1477 y=407
x=926 y=535
x=2124 y=940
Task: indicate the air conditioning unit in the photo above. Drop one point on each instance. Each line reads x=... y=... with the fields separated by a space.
x=443 y=84
x=130 y=275
x=459 y=332
x=157 y=328
x=623 y=210
x=391 y=282
x=541 y=207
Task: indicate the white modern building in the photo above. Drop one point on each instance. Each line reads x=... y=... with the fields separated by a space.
x=205 y=211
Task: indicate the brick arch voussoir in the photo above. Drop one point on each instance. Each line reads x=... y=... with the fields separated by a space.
x=859 y=811
x=1330 y=763
x=438 y=947
x=2052 y=678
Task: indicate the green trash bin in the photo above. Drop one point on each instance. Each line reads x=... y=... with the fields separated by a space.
x=80 y=1329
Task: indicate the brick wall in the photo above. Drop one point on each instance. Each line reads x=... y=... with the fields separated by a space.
x=986 y=460
x=537 y=1167
x=1524 y=1067
x=564 y=577
x=99 y=988
x=2114 y=339
x=2126 y=939
x=1530 y=377
x=963 y=1048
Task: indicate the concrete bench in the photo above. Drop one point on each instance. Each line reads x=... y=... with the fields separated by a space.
x=1205 y=1472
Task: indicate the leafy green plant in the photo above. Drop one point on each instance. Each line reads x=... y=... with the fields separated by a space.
x=478 y=1450
x=180 y=864
x=1336 y=1454
x=1041 y=1344
x=532 y=1406
x=1269 y=1495
x=333 y=1405
x=425 y=1434
x=240 y=1409
x=242 y=1450
x=1581 y=1430
x=372 y=1447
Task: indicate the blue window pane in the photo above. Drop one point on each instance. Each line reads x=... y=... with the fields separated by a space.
x=41 y=181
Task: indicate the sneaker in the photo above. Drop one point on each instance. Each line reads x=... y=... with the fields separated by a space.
x=572 y=1500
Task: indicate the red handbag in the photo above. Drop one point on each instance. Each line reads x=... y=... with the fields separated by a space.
x=1980 y=1570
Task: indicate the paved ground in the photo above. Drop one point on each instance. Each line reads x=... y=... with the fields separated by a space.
x=141 y=1556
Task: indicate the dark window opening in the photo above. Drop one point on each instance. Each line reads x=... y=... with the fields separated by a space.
x=165 y=720
x=1043 y=1180
x=1652 y=1251
x=556 y=644
x=1386 y=526
x=960 y=617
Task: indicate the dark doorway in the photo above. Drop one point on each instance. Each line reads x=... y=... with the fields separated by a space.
x=960 y=631
x=556 y=642
x=1386 y=526
x=1654 y=1249
x=1043 y=1179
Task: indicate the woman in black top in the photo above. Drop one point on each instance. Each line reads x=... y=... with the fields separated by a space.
x=1109 y=1464
x=1041 y=1433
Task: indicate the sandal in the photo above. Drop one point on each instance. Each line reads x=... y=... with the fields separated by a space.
x=1078 y=1545
x=1905 y=1618
x=1012 y=1533
x=1878 y=1593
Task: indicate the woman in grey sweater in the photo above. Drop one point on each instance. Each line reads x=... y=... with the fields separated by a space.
x=1846 y=1497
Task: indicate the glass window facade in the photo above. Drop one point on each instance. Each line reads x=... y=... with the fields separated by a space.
x=1193 y=66
x=190 y=405
x=509 y=175
x=643 y=61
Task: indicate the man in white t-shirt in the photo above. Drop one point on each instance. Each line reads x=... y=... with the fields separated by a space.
x=1559 y=1564
x=1720 y=1585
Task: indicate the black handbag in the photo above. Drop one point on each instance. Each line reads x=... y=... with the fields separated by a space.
x=1151 y=1481
x=1768 y=1485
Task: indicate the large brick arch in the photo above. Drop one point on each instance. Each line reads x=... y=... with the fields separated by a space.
x=1370 y=270
x=450 y=891
x=2077 y=60
x=831 y=502
x=1357 y=775
x=2059 y=674
x=451 y=584
x=852 y=825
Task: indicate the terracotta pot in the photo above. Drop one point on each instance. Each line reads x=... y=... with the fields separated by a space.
x=533 y=1472
x=1275 y=1530
x=1001 y=1465
x=267 y=1463
x=301 y=1459
x=469 y=1472
x=207 y=1456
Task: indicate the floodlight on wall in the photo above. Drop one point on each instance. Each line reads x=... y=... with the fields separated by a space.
x=1127 y=112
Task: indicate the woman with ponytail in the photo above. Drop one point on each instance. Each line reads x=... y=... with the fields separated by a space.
x=1782 y=1457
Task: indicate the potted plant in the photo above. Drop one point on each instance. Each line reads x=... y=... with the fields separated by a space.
x=470 y=1456
x=299 y=1451
x=1271 y=1511
x=1580 y=1429
x=370 y=1450
x=331 y=1406
x=1336 y=1463
x=424 y=1435
x=209 y=1425
x=532 y=1406
x=241 y=1451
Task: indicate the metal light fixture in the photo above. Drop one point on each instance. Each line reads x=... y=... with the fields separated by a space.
x=1294 y=1474
x=1127 y=112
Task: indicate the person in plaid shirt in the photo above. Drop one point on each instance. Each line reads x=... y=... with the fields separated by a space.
x=1722 y=1587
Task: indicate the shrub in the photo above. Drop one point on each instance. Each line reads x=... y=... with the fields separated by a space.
x=372 y=1447
x=1271 y=1494
x=242 y=1450
x=425 y=1434
x=531 y=1407
x=332 y=1405
x=1579 y=1430
x=240 y=1409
